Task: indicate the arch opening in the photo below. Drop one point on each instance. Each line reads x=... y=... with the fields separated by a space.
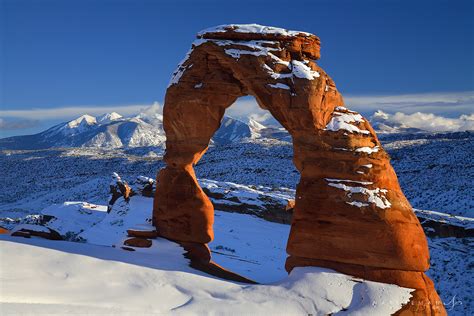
x=251 y=223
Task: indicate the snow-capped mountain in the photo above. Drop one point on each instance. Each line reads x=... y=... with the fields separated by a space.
x=112 y=130
x=108 y=117
x=233 y=130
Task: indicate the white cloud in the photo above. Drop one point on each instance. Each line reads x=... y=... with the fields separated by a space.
x=152 y=110
x=245 y=107
x=454 y=103
x=17 y=124
x=425 y=121
x=72 y=112
x=451 y=104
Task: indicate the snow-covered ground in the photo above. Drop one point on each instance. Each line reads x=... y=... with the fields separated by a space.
x=44 y=277
x=57 y=277
x=245 y=244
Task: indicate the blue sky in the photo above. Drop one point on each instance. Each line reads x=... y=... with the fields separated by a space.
x=69 y=54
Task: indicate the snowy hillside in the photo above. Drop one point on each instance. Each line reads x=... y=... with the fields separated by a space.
x=434 y=173
x=54 y=276
x=245 y=244
x=249 y=237
x=61 y=277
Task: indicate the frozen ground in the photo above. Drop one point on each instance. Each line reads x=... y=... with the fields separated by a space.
x=243 y=243
x=57 y=277
x=44 y=277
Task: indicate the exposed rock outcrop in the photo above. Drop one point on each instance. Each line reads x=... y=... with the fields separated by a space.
x=440 y=225
x=138 y=242
x=143 y=186
x=349 y=209
x=142 y=231
x=267 y=203
x=118 y=188
x=29 y=230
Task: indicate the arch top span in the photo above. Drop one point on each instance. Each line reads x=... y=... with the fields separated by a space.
x=350 y=213
x=274 y=65
x=306 y=44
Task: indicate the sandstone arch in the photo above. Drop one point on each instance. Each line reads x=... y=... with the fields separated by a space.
x=350 y=213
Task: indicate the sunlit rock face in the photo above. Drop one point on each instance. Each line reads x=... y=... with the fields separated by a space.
x=350 y=213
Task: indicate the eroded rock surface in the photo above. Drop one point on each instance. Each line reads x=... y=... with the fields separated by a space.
x=349 y=214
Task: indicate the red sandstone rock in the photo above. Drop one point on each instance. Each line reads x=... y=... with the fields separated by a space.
x=138 y=242
x=182 y=211
x=142 y=233
x=118 y=188
x=4 y=231
x=290 y=206
x=145 y=186
x=349 y=208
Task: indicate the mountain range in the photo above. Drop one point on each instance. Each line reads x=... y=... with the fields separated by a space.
x=112 y=130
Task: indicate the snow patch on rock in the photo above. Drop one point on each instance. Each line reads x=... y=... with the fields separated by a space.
x=251 y=28
x=375 y=196
x=343 y=121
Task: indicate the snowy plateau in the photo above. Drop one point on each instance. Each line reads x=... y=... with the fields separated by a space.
x=64 y=173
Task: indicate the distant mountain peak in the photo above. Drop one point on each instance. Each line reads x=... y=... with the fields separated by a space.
x=152 y=115
x=256 y=126
x=108 y=117
x=85 y=119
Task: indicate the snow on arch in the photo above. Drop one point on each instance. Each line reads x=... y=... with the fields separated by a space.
x=251 y=28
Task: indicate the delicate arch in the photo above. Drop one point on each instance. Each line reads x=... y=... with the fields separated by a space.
x=350 y=213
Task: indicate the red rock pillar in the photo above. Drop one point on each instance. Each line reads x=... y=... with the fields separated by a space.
x=193 y=112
